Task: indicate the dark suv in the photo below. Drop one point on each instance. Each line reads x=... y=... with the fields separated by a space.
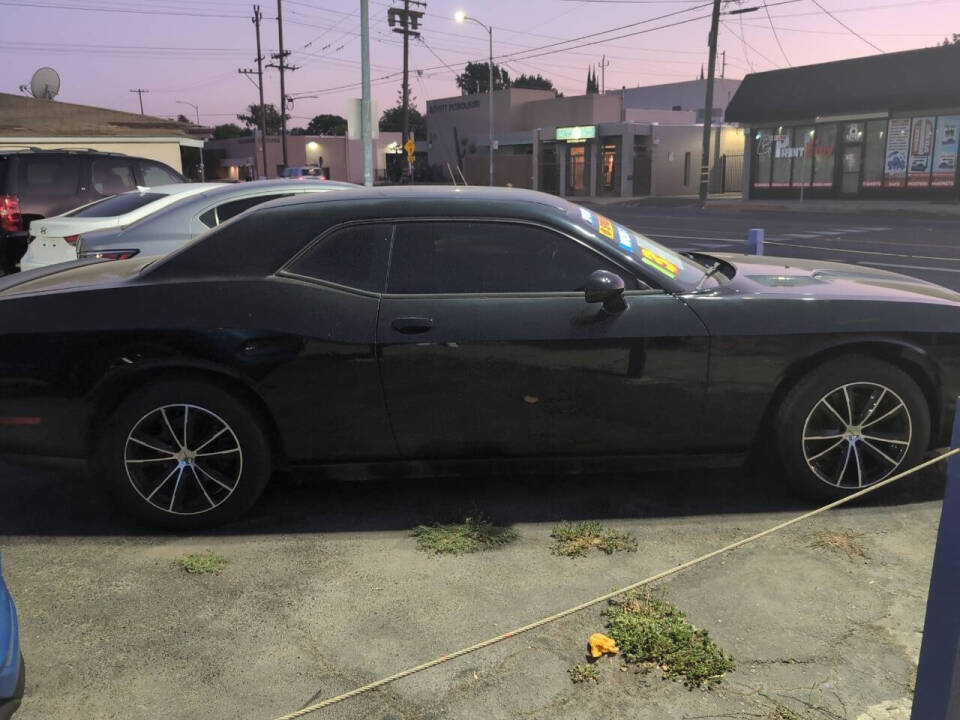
x=42 y=183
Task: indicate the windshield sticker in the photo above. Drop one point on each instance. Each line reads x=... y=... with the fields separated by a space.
x=605 y=226
x=625 y=242
x=587 y=215
x=659 y=263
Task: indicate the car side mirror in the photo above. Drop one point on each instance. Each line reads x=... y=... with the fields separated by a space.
x=605 y=287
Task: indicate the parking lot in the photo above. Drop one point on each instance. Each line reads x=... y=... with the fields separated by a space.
x=325 y=589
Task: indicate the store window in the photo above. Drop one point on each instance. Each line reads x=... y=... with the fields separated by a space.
x=921 y=152
x=874 y=143
x=610 y=166
x=763 y=140
x=783 y=153
x=825 y=139
x=803 y=165
x=945 y=152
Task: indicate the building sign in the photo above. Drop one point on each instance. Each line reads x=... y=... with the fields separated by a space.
x=945 y=151
x=921 y=152
x=439 y=107
x=898 y=141
x=783 y=149
x=580 y=132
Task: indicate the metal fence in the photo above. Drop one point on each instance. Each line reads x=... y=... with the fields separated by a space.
x=726 y=176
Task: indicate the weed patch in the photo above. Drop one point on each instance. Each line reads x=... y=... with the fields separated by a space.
x=577 y=539
x=649 y=629
x=839 y=541
x=203 y=563
x=470 y=536
x=584 y=672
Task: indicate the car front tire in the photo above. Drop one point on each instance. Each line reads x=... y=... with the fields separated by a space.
x=849 y=424
x=185 y=454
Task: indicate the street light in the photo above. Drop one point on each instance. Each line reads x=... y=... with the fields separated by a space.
x=196 y=109
x=460 y=16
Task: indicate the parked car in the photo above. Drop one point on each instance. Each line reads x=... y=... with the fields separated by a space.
x=304 y=171
x=378 y=327
x=169 y=228
x=12 y=670
x=36 y=184
x=54 y=240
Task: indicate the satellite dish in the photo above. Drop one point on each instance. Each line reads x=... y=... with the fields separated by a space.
x=45 y=84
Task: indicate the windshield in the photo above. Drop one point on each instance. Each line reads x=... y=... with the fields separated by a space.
x=117 y=204
x=639 y=248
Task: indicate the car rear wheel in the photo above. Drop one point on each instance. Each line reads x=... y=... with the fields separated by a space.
x=185 y=455
x=850 y=424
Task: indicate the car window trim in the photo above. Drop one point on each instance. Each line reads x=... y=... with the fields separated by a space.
x=285 y=272
x=512 y=221
x=216 y=205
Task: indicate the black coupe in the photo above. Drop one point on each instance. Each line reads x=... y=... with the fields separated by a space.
x=372 y=328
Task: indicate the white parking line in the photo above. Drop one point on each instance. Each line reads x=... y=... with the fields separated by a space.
x=910 y=267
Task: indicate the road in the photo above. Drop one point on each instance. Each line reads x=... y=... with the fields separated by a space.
x=924 y=247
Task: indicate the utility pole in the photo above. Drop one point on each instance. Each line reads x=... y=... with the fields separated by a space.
x=366 y=129
x=140 y=92
x=409 y=24
x=708 y=104
x=603 y=74
x=257 y=16
x=716 y=144
x=282 y=65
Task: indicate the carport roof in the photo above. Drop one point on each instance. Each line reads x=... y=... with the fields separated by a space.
x=22 y=116
x=911 y=80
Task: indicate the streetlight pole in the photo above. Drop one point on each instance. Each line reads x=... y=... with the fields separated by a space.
x=196 y=109
x=460 y=16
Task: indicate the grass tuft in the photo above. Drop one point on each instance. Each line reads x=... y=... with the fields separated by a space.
x=577 y=539
x=203 y=563
x=840 y=541
x=584 y=672
x=649 y=629
x=470 y=536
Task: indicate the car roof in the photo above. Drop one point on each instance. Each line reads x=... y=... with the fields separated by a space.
x=63 y=151
x=445 y=195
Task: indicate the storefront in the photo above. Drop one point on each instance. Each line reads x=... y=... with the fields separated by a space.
x=879 y=140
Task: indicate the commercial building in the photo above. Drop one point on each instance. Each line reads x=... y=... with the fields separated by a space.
x=46 y=124
x=624 y=143
x=341 y=158
x=882 y=126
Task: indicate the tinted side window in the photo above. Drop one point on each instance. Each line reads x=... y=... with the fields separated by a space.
x=112 y=175
x=487 y=257
x=49 y=176
x=234 y=208
x=117 y=205
x=154 y=174
x=354 y=256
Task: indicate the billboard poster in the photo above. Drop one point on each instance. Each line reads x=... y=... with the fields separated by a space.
x=921 y=152
x=898 y=141
x=945 y=151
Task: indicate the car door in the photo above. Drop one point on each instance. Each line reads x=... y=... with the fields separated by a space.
x=487 y=347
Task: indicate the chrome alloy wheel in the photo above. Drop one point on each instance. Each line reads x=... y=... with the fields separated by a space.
x=183 y=459
x=856 y=435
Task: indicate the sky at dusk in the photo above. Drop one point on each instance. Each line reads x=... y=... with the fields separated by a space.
x=189 y=50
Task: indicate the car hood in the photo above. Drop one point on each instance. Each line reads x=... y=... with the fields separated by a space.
x=778 y=276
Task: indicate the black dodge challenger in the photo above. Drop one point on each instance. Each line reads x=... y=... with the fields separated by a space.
x=373 y=328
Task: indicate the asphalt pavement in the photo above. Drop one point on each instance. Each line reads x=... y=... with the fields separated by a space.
x=925 y=247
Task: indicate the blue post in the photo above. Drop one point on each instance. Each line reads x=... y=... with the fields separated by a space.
x=755 y=241
x=937 y=695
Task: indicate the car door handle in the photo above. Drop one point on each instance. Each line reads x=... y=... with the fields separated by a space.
x=412 y=325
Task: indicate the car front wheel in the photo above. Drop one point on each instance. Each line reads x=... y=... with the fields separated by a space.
x=850 y=424
x=185 y=455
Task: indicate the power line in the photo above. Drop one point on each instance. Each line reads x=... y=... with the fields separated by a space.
x=117 y=10
x=748 y=45
x=770 y=19
x=850 y=29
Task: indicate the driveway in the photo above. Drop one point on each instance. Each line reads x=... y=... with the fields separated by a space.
x=325 y=590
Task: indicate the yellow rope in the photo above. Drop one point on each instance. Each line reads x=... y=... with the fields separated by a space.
x=570 y=611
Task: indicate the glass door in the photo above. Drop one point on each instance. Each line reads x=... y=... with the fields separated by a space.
x=852 y=158
x=578 y=157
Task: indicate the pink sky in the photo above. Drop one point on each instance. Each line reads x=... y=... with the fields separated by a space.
x=102 y=48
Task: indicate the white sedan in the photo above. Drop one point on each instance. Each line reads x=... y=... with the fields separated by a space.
x=54 y=239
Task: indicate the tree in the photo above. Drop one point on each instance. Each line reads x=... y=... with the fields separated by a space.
x=533 y=82
x=183 y=119
x=955 y=40
x=252 y=119
x=327 y=125
x=392 y=121
x=229 y=130
x=592 y=87
x=476 y=77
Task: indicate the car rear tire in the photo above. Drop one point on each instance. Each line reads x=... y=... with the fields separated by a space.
x=184 y=454
x=849 y=424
